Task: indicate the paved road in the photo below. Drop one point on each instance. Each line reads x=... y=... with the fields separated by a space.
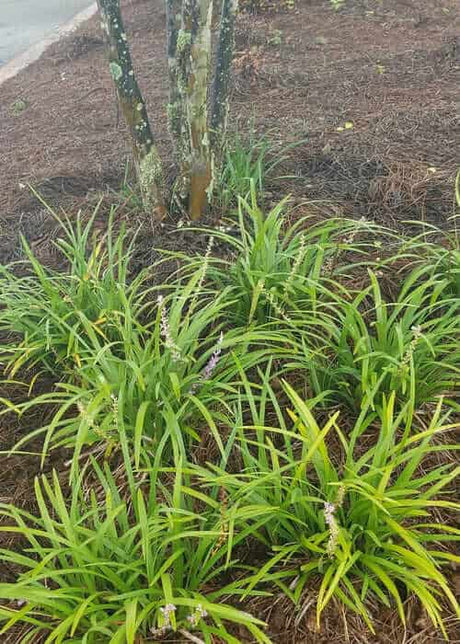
x=25 y=22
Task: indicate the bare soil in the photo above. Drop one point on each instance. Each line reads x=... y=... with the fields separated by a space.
x=370 y=89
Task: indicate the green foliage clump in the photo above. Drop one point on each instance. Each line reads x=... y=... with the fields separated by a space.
x=276 y=269
x=244 y=164
x=55 y=313
x=142 y=369
x=248 y=163
x=93 y=573
x=409 y=346
x=293 y=391
x=358 y=521
x=19 y=106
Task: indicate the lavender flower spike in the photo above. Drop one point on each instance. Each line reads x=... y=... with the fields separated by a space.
x=197 y=615
x=166 y=612
x=214 y=359
x=331 y=521
x=166 y=331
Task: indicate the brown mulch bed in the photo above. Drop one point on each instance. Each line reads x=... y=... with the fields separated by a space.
x=388 y=68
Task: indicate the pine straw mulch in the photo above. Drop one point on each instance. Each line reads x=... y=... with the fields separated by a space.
x=389 y=69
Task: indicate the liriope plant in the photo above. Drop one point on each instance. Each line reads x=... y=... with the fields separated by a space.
x=102 y=568
x=360 y=524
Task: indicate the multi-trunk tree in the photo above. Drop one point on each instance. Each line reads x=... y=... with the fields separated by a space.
x=197 y=125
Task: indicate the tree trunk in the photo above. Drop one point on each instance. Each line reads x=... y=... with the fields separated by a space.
x=195 y=38
x=175 y=108
x=147 y=159
x=222 y=75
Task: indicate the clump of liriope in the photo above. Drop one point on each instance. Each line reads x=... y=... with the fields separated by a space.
x=274 y=269
x=53 y=315
x=146 y=569
x=432 y=253
x=409 y=346
x=243 y=163
x=171 y=372
x=360 y=523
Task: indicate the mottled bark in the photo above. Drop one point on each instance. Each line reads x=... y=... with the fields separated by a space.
x=222 y=74
x=132 y=105
x=195 y=40
x=175 y=106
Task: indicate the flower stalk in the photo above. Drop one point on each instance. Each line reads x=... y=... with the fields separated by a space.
x=166 y=331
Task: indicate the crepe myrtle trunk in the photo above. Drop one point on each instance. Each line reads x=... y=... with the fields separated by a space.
x=222 y=74
x=194 y=53
x=175 y=107
x=198 y=139
x=132 y=105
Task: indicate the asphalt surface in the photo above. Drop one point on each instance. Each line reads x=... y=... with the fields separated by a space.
x=23 y=23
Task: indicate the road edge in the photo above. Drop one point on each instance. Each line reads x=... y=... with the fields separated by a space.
x=20 y=62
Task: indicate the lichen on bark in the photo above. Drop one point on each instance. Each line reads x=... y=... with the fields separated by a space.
x=222 y=74
x=175 y=108
x=150 y=174
x=197 y=139
x=194 y=61
x=132 y=105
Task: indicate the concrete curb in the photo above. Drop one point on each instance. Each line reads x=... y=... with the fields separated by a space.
x=32 y=54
